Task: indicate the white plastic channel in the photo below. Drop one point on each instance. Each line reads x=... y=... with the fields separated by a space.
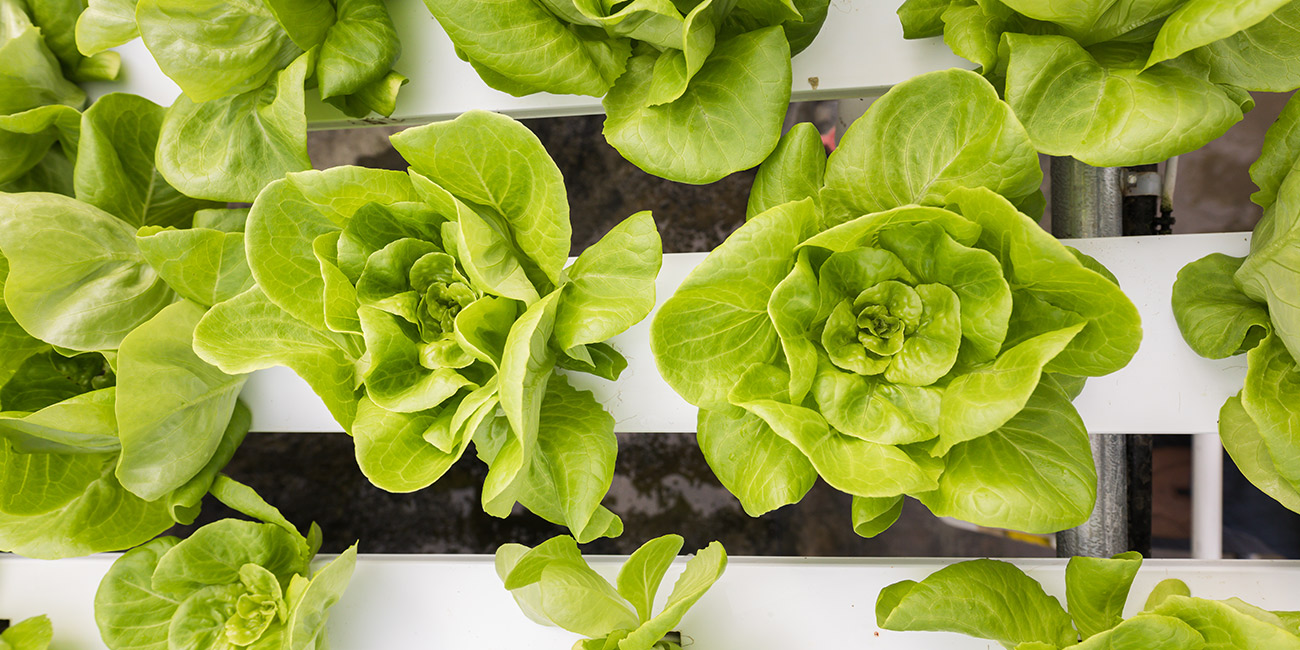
x=404 y=602
x=1166 y=389
x=859 y=53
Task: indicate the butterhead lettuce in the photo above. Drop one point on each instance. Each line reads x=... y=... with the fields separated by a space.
x=890 y=321
x=1121 y=83
x=431 y=310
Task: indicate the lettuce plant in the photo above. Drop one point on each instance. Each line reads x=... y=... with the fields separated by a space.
x=553 y=585
x=38 y=97
x=244 y=69
x=111 y=429
x=693 y=90
x=32 y=634
x=431 y=309
x=231 y=584
x=1120 y=83
x=1227 y=306
x=995 y=600
x=889 y=320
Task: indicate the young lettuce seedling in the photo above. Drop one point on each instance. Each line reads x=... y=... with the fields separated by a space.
x=231 y=584
x=553 y=585
x=995 y=600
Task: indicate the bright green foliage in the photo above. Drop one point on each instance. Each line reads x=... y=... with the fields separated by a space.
x=553 y=585
x=693 y=91
x=1083 y=76
x=1227 y=306
x=32 y=634
x=38 y=99
x=245 y=68
x=995 y=600
x=112 y=427
x=232 y=583
x=888 y=320
x=432 y=309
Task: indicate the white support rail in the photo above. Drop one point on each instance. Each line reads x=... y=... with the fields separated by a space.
x=404 y=602
x=859 y=53
x=1166 y=389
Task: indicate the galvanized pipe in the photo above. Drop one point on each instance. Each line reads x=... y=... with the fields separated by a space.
x=1088 y=202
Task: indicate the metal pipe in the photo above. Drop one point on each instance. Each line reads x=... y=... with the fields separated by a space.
x=1088 y=202
x=1207 y=497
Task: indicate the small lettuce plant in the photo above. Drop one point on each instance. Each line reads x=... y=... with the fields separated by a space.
x=231 y=584
x=35 y=633
x=553 y=585
x=111 y=428
x=1226 y=306
x=890 y=320
x=1121 y=83
x=692 y=90
x=432 y=309
x=244 y=69
x=994 y=600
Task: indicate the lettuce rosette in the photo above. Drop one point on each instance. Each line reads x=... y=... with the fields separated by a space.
x=111 y=429
x=1085 y=77
x=431 y=309
x=693 y=90
x=1226 y=306
x=889 y=320
x=244 y=69
x=230 y=584
x=995 y=600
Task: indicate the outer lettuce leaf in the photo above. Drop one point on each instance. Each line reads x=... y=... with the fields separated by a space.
x=1097 y=589
x=1000 y=479
x=968 y=139
x=1200 y=22
x=1216 y=319
x=115 y=168
x=215 y=49
x=718 y=125
x=984 y=598
x=552 y=57
x=1270 y=397
x=77 y=279
x=1245 y=444
x=1069 y=98
x=263 y=137
x=1262 y=57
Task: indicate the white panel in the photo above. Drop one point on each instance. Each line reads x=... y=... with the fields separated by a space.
x=860 y=53
x=1166 y=389
x=403 y=602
